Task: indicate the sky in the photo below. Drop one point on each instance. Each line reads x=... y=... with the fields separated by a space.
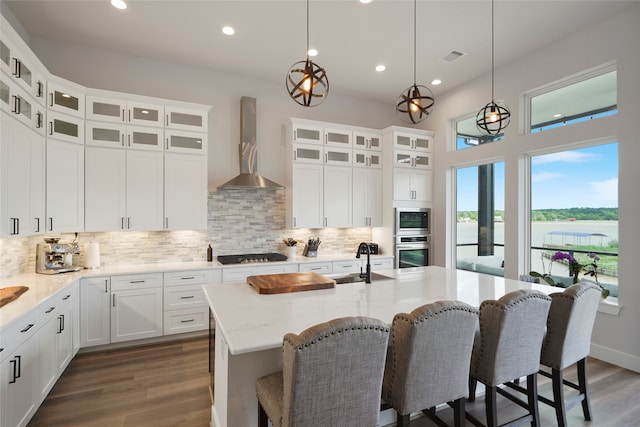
x=586 y=177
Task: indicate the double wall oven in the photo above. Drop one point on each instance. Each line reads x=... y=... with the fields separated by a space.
x=412 y=237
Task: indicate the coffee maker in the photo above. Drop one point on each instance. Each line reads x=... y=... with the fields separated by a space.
x=53 y=257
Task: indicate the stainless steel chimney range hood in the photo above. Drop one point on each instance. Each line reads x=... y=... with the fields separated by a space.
x=249 y=177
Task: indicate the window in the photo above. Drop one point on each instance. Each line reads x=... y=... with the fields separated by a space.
x=574 y=209
x=480 y=216
x=468 y=135
x=580 y=99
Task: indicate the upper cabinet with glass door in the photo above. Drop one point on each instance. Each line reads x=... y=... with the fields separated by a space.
x=367 y=140
x=65 y=99
x=308 y=134
x=186 y=119
x=338 y=138
x=16 y=102
x=408 y=141
x=23 y=70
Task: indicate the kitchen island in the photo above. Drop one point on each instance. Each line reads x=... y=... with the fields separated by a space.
x=249 y=327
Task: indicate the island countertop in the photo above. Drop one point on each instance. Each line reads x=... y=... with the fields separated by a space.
x=252 y=322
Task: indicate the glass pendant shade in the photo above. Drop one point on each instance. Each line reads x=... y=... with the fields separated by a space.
x=414 y=104
x=307 y=83
x=493 y=118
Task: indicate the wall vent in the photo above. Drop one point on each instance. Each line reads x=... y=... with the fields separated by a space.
x=452 y=56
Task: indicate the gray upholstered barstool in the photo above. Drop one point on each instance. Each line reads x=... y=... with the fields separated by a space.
x=332 y=376
x=567 y=342
x=428 y=359
x=507 y=348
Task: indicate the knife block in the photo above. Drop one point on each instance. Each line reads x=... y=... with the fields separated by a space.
x=310 y=251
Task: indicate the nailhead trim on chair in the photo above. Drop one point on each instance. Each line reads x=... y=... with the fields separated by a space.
x=319 y=338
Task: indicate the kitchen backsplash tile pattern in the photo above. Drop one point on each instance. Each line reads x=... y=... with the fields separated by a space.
x=239 y=221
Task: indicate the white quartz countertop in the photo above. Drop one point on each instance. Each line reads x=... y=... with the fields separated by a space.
x=44 y=286
x=251 y=322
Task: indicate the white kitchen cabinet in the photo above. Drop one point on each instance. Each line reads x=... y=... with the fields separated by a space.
x=321 y=267
x=19 y=376
x=106 y=109
x=144 y=114
x=136 y=307
x=307 y=195
x=367 y=140
x=347 y=266
x=410 y=141
x=238 y=274
x=21 y=179
x=124 y=190
x=20 y=105
x=65 y=128
x=367 y=159
x=411 y=159
x=306 y=153
x=95 y=312
x=185 y=306
x=277 y=268
x=337 y=156
x=185 y=192
x=110 y=135
x=338 y=196
x=186 y=119
x=411 y=184
x=23 y=70
x=309 y=134
x=338 y=137
x=185 y=142
x=65 y=187
x=65 y=98
x=367 y=197
x=378 y=263
x=144 y=138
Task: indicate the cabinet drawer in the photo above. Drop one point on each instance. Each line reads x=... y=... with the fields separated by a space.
x=192 y=277
x=186 y=320
x=278 y=269
x=381 y=264
x=17 y=333
x=347 y=266
x=317 y=267
x=238 y=274
x=136 y=281
x=184 y=297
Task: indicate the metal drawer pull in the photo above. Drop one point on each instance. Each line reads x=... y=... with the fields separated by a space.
x=190 y=296
x=27 y=328
x=137 y=281
x=187 y=278
x=187 y=321
x=66 y=297
x=50 y=310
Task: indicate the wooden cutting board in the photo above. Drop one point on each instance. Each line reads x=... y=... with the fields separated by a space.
x=289 y=282
x=11 y=293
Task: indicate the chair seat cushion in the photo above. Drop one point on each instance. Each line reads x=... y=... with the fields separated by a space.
x=270 y=390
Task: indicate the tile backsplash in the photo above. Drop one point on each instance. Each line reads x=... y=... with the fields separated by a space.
x=238 y=221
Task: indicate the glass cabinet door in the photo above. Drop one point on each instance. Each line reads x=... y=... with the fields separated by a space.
x=144 y=138
x=105 y=134
x=403 y=159
x=421 y=161
x=65 y=128
x=145 y=114
x=103 y=109
x=305 y=153
x=337 y=156
x=185 y=119
x=403 y=141
x=65 y=100
x=338 y=138
x=364 y=158
x=367 y=141
x=407 y=141
x=186 y=142
x=308 y=134
x=423 y=144
x=5 y=57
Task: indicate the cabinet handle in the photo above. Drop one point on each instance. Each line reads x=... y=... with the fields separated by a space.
x=50 y=128
x=167 y=144
x=50 y=310
x=122 y=139
x=187 y=321
x=187 y=278
x=50 y=224
x=123 y=119
x=136 y=281
x=37 y=227
x=326 y=157
x=15 y=227
x=167 y=120
x=51 y=99
x=295 y=135
x=16 y=369
x=129 y=116
x=16 y=67
x=106 y=283
x=128 y=223
x=60 y=323
x=166 y=223
x=29 y=326
x=15 y=108
x=294 y=222
x=325 y=221
x=39 y=89
x=128 y=140
x=66 y=297
x=38 y=120
x=315 y=268
x=295 y=155
x=188 y=297
x=113 y=300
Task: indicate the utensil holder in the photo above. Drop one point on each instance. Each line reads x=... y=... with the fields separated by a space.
x=291 y=252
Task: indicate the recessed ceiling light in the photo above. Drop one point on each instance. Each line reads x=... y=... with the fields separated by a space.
x=365 y=1
x=557 y=116
x=380 y=67
x=118 y=4
x=228 y=30
x=312 y=52
x=436 y=82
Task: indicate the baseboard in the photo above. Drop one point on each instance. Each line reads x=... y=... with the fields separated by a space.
x=146 y=341
x=615 y=357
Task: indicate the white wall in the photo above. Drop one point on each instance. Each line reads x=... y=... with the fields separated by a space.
x=138 y=75
x=615 y=337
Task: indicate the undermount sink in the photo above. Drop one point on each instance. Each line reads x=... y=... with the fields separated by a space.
x=355 y=278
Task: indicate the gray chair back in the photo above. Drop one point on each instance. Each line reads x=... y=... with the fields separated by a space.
x=511 y=333
x=332 y=373
x=569 y=325
x=429 y=356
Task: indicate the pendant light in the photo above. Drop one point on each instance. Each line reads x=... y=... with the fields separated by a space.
x=307 y=82
x=416 y=102
x=493 y=118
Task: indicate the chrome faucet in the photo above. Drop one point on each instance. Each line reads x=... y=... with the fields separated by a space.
x=366 y=275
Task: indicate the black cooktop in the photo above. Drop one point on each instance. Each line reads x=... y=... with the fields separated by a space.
x=250 y=258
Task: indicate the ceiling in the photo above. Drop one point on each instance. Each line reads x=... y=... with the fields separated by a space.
x=351 y=37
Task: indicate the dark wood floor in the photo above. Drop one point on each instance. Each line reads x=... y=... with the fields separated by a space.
x=166 y=385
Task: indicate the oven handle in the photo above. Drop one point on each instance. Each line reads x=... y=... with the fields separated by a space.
x=413 y=246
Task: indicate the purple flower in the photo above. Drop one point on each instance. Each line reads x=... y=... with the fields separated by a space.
x=593 y=256
x=559 y=256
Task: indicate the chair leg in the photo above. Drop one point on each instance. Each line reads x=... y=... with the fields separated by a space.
x=491 y=406
x=532 y=398
x=584 y=388
x=458 y=412
x=263 y=420
x=558 y=397
x=472 y=389
x=402 y=420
